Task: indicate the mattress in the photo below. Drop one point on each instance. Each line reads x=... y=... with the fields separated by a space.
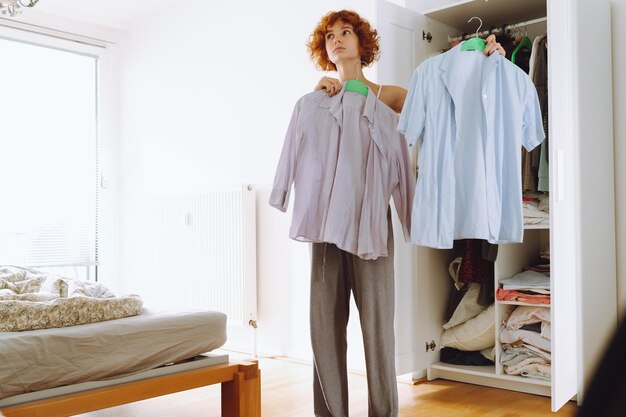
x=41 y=359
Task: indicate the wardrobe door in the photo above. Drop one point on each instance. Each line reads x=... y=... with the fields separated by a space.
x=582 y=193
x=596 y=207
x=585 y=141
x=562 y=203
x=422 y=282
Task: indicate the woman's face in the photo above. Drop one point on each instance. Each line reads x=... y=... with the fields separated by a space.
x=342 y=43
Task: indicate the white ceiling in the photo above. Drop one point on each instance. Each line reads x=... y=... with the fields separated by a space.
x=116 y=13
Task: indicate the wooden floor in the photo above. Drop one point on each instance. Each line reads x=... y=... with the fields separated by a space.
x=286 y=391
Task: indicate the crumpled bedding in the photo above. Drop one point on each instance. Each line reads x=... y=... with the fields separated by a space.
x=31 y=300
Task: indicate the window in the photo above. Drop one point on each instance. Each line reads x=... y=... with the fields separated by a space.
x=49 y=155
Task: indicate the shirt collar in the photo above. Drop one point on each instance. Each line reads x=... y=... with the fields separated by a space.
x=449 y=59
x=333 y=104
x=489 y=64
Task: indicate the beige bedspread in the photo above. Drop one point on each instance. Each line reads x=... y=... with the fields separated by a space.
x=31 y=300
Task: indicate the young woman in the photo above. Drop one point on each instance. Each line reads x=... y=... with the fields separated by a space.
x=345 y=42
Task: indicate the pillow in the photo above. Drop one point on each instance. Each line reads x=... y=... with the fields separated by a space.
x=477 y=333
x=468 y=307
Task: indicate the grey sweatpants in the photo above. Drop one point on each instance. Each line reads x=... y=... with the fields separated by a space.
x=334 y=274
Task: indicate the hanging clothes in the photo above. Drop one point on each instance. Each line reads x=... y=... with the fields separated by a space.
x=509 y=43
x=533 y=57
x=529 y=175
x=474 y=267
x=346 y=160
x=524 y=60
x=469 y=114
x=540 y=79
x=477 y=265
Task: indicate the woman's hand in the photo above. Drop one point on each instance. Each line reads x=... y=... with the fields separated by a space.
x=331 y=85
x=493 y=46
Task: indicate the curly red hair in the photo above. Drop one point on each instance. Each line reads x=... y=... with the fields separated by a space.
x=368 y=39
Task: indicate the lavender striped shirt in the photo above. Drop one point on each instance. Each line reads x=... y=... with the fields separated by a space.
x=346 y=160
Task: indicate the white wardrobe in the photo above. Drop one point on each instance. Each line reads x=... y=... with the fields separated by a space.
x=581 y=234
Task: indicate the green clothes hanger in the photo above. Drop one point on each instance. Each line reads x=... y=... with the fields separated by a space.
x=474 y=44
x=524 y=43
x=357 y=86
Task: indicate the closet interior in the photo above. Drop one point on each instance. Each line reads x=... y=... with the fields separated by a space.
x=569 y=227
x=499 y=335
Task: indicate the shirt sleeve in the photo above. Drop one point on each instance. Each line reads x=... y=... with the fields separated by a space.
x=413 y=115
x=403 y=193
x=285 y=172
x=533 y=133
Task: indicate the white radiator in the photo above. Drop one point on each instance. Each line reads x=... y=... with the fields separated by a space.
x=199 y=251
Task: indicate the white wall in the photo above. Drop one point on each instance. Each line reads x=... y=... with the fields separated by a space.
x=619 y=129
x=208 y=91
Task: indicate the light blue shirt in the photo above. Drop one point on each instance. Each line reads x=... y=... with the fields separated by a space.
x=469 y=115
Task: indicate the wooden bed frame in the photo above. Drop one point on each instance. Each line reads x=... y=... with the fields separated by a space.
x=241 y=392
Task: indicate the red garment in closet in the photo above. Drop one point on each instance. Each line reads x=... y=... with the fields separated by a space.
x=474 y=267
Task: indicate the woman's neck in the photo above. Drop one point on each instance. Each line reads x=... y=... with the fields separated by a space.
x=350 y=71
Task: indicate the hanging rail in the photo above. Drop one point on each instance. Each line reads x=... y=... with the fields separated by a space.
x=497 y=29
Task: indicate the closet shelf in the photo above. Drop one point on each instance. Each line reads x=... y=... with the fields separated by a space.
x=536 y=226
x=517 y=303
x=486 y=375
x=488 y=371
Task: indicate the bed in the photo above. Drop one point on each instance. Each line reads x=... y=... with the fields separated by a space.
x=240 y=392
x=77 y=369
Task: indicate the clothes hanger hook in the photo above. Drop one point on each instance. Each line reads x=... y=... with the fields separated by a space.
x=481 y=23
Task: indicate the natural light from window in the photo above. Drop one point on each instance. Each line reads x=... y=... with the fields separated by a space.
x=48 y=168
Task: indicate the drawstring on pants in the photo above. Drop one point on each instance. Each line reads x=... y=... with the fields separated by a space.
x=324 y=261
